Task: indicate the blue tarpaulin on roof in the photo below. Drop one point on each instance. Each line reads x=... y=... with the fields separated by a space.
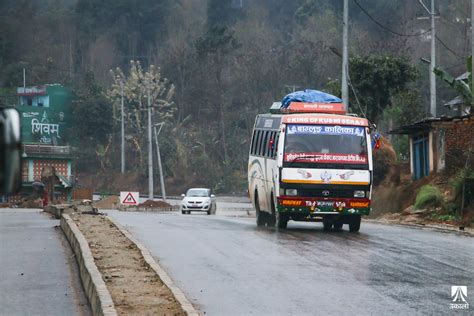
x=309 y=96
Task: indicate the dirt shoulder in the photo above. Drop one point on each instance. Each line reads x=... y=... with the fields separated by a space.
x=135 y=288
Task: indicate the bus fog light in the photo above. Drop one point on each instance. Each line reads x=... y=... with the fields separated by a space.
x=291 y=192
x=359 y=194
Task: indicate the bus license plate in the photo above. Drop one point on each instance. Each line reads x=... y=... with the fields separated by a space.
x=325 y=203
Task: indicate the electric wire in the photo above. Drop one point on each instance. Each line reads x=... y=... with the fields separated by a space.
x=406 y=35
x=449 y=49
x=349 y=81
x=385 y=27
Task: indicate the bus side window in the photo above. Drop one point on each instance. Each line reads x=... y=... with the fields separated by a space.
x=263 y=145
x=268 y=147
x=275 y=145
x=271 y=145
x=254 y=141
x=257 y=142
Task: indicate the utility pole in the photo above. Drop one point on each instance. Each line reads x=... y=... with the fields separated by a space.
x=122 y=149
x=162 y=182
x=433 y=61
x=345 y=57
x=150 y=148
x=24 y=80
x=433 y=57
x=472 y=55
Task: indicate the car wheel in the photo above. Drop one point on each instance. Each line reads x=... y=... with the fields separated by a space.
x=183 y=212
x=209 y=212
x=354 y=224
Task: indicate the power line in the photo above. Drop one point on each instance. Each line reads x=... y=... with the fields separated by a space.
x=355 y=94
x=449 y=49
x=385 y=27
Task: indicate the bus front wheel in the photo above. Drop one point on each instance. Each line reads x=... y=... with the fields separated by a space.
x=338 y=226
x=261 y=219
x=281 y=220
x=327 y=226
x=354 y=224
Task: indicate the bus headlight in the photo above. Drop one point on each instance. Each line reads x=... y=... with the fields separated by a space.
x=291 y=192
x=359 y=194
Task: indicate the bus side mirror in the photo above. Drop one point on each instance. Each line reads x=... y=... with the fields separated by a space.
x=10 y=151
x=376 y=141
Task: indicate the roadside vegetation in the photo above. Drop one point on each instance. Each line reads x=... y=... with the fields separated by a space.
x=224 y=62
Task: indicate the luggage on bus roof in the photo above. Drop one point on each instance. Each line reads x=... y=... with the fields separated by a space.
x=309 y=96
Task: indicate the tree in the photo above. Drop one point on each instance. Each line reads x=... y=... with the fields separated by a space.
x=92 y=114
x=462 y=86
x=376 y=80
x=137 y=86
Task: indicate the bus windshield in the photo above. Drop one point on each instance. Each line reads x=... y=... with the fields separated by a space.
x=326 y=144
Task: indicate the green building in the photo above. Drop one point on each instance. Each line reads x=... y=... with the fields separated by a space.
x=46 y=112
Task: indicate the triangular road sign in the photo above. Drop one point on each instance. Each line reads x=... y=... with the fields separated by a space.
x=129 y=199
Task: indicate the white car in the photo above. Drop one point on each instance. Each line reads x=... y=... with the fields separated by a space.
x=200 y=200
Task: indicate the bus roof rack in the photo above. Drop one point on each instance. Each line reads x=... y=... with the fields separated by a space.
x=275 y=108
x=308 y=107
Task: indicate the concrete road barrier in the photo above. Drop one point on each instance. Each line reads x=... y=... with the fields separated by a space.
x=92 y=282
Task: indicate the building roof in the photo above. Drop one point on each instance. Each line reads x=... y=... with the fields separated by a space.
x=464 y=76
x=456 y=101
x=425 y=124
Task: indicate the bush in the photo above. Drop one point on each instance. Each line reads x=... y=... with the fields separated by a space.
x=428 y=196
x=457 y=184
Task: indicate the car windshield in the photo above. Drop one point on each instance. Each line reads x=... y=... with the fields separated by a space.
x=197 y=193
x=326 y=144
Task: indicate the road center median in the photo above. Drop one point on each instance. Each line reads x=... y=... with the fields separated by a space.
x=126 y=279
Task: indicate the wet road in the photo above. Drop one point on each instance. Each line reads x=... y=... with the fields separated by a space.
x=38 y=272
x=228 y=266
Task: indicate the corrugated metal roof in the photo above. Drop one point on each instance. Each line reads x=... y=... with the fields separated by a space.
x=456 y=101
x=424 y=124
x=464 y=76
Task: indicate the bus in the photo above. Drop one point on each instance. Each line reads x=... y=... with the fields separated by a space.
x=310 y=162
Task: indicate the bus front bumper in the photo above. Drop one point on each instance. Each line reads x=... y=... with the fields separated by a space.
x=323 y=206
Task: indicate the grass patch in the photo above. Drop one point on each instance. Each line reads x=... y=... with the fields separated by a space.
x=428 y=196
x=445 y=217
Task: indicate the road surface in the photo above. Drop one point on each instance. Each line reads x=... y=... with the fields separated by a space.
x=228 y=266
x=38 y=273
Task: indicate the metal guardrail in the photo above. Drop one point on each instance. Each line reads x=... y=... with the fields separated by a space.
x=46 y=149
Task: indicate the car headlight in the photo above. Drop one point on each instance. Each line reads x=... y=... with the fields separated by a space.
x=291 y=192
x=359 y=194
